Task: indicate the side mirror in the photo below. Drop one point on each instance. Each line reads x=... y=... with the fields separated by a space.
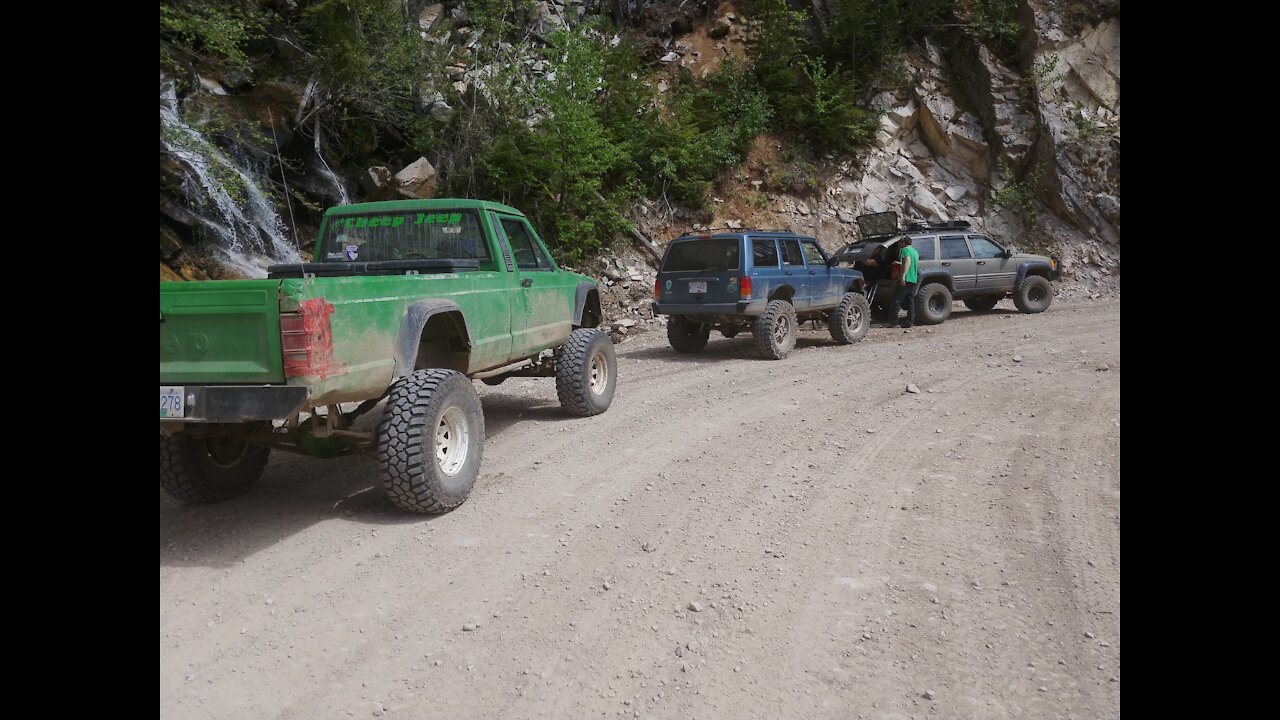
x=1008 y=252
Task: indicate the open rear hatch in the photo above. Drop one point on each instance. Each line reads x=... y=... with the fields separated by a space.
x=873 y=227
x=877 y=225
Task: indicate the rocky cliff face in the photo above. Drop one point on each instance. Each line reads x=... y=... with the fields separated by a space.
x=1025 y=146
x=1032 y=156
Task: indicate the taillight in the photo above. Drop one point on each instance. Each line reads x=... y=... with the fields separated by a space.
x=744 y=289
x=657 y=288
x=307 y=341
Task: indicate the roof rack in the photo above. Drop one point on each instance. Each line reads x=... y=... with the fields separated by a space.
x=918 y=225
x=708 y=231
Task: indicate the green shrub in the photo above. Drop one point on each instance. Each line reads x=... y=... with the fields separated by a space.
x=1045 y=73
x=1019 y=195
x=215 y=29
x=369 y=58
x=996 y=23
x=600 y=141
x=819 y=74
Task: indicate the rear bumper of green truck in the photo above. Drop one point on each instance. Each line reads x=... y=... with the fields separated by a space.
x=231 y=403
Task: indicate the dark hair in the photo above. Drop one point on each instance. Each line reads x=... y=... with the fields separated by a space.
x=906 y=240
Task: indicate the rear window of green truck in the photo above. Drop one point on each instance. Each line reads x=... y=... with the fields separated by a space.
x=439 y=234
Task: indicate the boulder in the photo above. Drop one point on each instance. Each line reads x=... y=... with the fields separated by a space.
x=416 y=180
x=928 y=205
x=441 y=111
x=236 y=79
x=211 y=85
x=170 y=243
x=429 y=16
x=376 y=181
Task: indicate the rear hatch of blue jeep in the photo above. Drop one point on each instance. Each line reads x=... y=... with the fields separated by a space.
x=700 y=271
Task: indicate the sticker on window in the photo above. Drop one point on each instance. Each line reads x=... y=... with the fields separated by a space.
x=455 y=230
x=352 y=252
x=438 y=219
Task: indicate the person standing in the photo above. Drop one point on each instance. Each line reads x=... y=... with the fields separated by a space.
x=908 y=283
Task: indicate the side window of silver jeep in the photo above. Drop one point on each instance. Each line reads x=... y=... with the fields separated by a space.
x=927 y=247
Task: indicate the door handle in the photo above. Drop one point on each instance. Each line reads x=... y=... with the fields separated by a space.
x=813 y=272
x=982 y=262
x=787 y=272
x=527 y=282
x=947 y=264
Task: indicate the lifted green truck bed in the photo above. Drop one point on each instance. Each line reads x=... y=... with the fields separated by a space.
x=406 y=300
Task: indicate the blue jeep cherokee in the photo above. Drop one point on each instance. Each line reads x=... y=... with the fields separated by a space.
x=762 y=281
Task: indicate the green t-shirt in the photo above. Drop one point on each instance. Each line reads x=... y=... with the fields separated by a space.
x=910 y=252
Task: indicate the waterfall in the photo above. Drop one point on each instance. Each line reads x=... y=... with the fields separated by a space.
x=328 y=172
x=249 y=233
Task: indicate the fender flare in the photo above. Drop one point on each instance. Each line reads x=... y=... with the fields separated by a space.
x=580 y=296
x=785 y=291
x=944 y=276
x=415 y=319
x=857 y=283
x=1024 y=269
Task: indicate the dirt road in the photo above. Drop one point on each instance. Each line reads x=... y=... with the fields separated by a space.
x=734 y=538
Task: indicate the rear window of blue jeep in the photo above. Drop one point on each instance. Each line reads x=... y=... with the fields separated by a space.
x=711 y=254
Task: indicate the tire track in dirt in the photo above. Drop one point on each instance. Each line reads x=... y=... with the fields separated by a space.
x=911 y=542
x=366 y=600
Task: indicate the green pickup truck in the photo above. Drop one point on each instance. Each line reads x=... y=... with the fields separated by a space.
x=406 y=301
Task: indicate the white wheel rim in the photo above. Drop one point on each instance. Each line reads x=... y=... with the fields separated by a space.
x=453 y=437
x=598 y=373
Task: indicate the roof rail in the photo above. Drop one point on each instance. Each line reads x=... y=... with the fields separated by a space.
x=918 y=225
x=713 y=231
x=708 y=231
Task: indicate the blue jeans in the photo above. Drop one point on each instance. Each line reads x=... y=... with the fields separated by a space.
x=906 y=295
